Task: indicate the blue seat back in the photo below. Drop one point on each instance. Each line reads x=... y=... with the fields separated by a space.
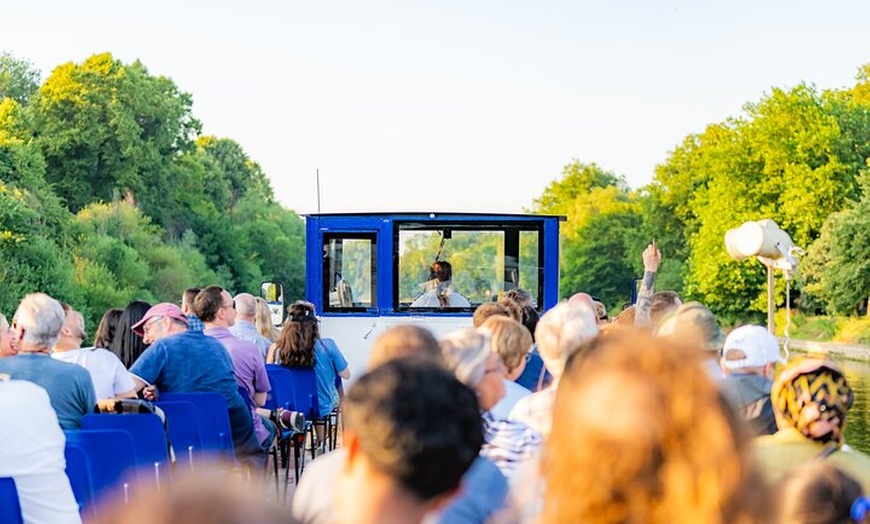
x=305 y=392
x=10 y=508
x=281 y=383
x=111 y=457
x=183 y=428
x=213 y=420
x=78 y=470
x=149 y=437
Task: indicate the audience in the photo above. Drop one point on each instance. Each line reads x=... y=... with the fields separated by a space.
x=811 y=399
x=443 y=431
x=507 y=443
x=404 y=340
x=110 y=377
x=217 y=310
x=193 y=322
x=411 y=430
x=32 y=453
x=640 y=435
x=205 y=495
x=749 y=356
x=244 y=327
x=819 y=493
x=126 y=344
x=561 y=331
x=512 y=342
x=695 y=324
x=107 y=328
x=263 y=321
x=6 y=349
x=182 y=360
x=36 y=327
x=488 y=309
x=535 y=376
x=299 y=345
x=484 y=488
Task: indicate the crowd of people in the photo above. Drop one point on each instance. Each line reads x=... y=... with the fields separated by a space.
x=657 y=415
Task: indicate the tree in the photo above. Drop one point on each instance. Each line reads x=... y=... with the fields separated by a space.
x=603 y=219
x=108 y=128
x=18 y=78
x=796 y=152
x=837 y=266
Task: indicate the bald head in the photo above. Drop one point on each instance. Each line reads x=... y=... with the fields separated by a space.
x=246 y=306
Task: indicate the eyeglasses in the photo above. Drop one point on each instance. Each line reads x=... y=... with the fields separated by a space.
x=147 y=326
x=232 y=305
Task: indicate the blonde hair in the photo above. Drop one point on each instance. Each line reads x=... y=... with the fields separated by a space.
x=263 y=320
x=654 y=439
x=510 y=339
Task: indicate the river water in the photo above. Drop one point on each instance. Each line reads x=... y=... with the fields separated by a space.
x=858 y=421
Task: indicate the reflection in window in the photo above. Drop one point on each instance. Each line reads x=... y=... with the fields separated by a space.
x=350 y=271
x=485 y=262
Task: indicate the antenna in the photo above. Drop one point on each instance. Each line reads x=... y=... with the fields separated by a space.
x=318 y=191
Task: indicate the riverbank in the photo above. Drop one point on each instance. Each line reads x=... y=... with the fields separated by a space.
x=846 y=351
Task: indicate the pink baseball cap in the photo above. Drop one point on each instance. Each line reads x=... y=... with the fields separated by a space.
x=163 y=309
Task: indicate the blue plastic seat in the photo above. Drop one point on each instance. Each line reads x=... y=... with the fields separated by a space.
x=282 y=396
x=149 y=438
x=10 y=507
x=213 y=419
x=78 y=470
x=183 y=429
x=304 y=382
x=111 y=457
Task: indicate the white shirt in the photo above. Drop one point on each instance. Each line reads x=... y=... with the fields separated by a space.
x=108 y=373
x=32 y=453
x=430 y=299
x=512 y=393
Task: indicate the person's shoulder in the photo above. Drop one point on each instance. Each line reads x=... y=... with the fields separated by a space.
x=22 y=390
x=67 y=367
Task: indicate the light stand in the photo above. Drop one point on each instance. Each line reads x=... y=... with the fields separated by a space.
x=772 y=246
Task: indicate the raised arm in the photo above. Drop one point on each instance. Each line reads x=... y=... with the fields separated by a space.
x=652 y=257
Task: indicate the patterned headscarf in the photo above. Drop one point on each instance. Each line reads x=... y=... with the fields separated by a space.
x=812 y=395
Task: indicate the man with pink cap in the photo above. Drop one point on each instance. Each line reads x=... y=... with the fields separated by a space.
x=180 y=360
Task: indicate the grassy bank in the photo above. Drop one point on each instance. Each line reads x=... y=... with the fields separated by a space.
x=842 y=330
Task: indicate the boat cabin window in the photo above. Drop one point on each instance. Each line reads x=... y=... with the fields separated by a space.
x=350 y=271
x=458 y=267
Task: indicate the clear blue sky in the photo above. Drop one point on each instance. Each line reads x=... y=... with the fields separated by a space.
x=454 y=105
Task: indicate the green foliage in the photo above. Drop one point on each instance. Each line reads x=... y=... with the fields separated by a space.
x=837 y=267
x=786 y=161
x=18 y=78
x=109 y=128
x=853 y=330
x=600 y=239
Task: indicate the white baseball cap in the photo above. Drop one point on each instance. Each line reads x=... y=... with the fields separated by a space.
x=758 y=345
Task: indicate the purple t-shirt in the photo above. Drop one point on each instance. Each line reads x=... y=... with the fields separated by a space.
x=249 y=369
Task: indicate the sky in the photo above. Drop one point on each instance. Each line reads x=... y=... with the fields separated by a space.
x=446 y=105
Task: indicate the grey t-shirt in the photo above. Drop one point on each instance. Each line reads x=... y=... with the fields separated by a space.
x=69 y=386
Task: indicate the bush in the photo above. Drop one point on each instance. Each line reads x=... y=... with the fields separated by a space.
x=819 y=329
x=853 y=330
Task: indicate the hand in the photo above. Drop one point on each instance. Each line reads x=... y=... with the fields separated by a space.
x=652 y=257
x=149 y=393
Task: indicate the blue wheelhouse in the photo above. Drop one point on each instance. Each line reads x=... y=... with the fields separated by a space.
x=367 y=272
